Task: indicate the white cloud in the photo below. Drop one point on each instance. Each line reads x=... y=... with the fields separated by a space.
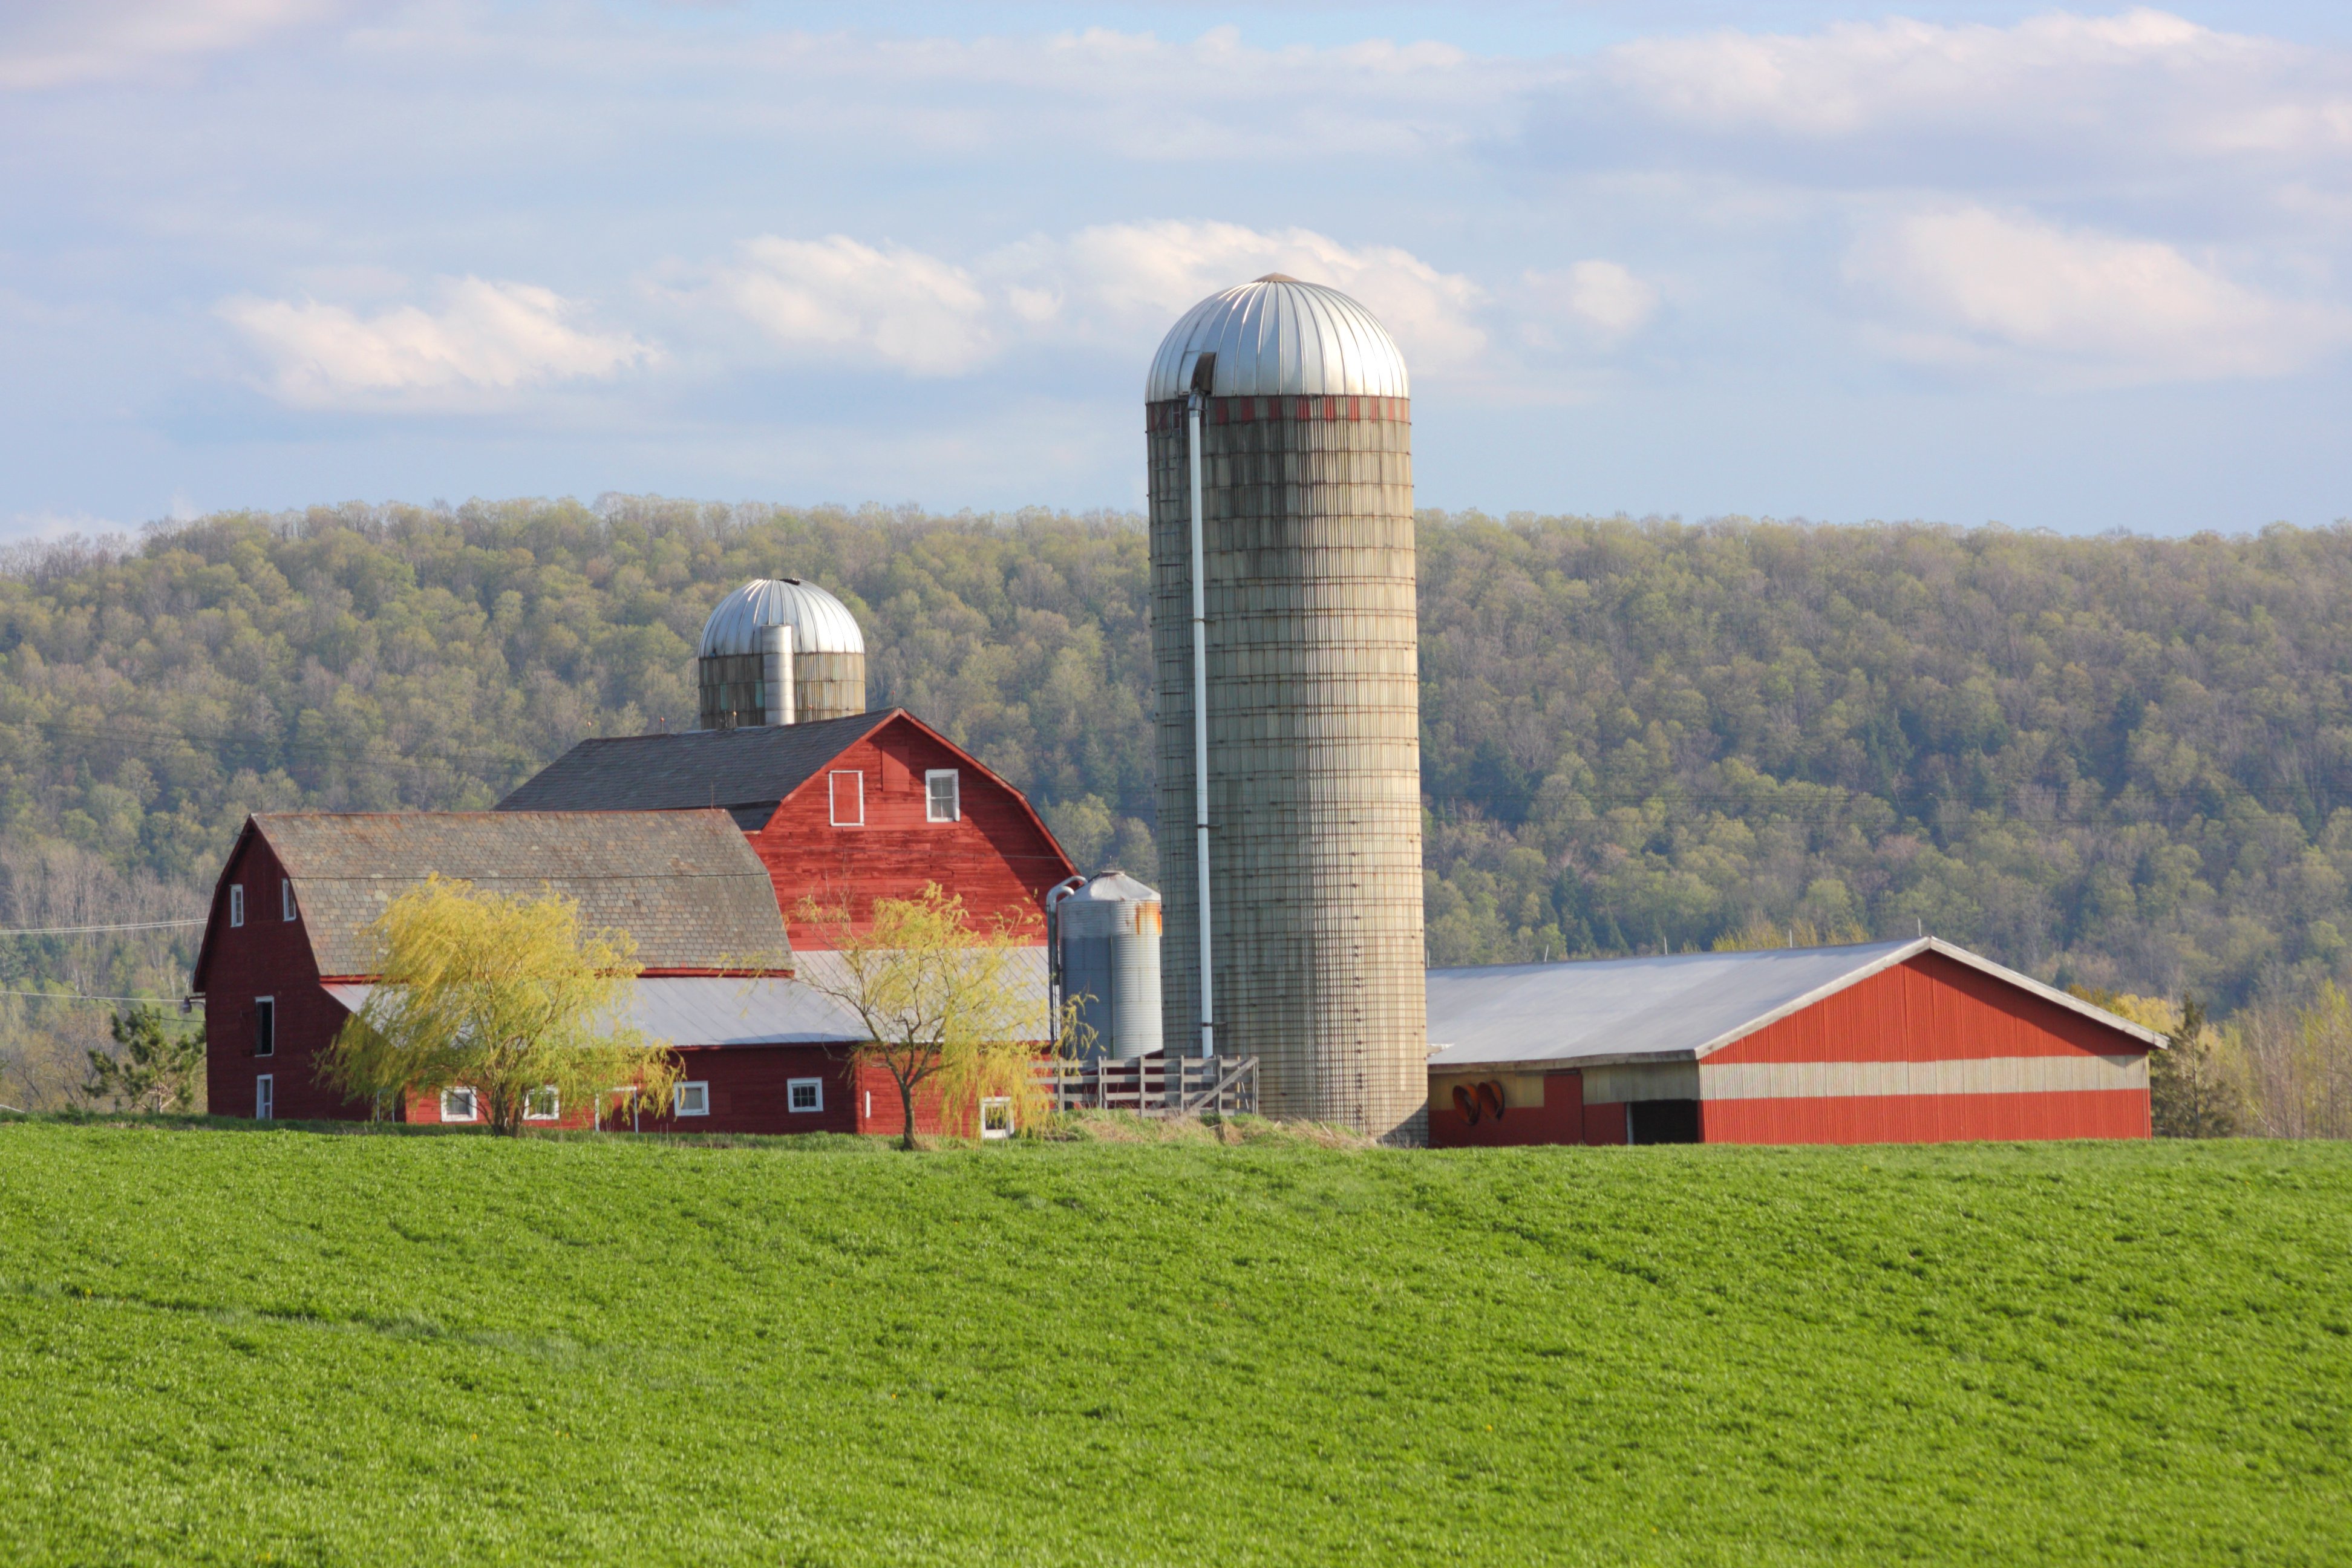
x=485 y=337
x=1130 y=277
x=2144 y=77
x=1976 y=288
x=55 y=43
x=1114 y=287
x=1604 y=299
x=843 y=300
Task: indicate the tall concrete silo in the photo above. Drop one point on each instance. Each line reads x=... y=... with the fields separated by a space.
x=1299 y=630
x=779 y=651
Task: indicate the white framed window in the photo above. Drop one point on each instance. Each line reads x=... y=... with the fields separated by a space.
x=265 y=1098
x=942 y=802
x=286 y=898
x=805 y=1094
x=693 y=1100
x=996 y=1117
x=458 y=1105
x=848 y=787
x=543 y=1105
x=236 y=903
x=265 y=1025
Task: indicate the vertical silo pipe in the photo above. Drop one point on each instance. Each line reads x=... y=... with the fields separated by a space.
x=1200 y=372
x=776 y=673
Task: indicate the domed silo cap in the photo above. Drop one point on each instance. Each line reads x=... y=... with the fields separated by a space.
x=820 y=623
x=1277 y=337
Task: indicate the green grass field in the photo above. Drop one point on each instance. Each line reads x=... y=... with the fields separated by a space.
x=281 y=1345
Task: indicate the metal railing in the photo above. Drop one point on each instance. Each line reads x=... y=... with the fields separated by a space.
x=1154 y=1086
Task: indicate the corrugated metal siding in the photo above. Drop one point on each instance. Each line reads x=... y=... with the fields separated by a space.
x=1928 y=1051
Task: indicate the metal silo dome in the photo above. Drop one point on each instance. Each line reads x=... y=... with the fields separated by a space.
x=1277 y=337
x=780 y=651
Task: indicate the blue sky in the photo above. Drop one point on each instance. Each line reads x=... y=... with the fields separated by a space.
x=2067 y=269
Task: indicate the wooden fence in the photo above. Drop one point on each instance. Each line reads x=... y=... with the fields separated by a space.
x=1154 y=1086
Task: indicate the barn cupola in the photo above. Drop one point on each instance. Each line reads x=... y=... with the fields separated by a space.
x=779 y=651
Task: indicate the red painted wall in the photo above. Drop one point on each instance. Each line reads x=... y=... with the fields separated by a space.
x=266 y=956
x=1925 y=1118
x=1605 y=1123
x=1558 y=1120
x=997 y=857
x=1929 y=1008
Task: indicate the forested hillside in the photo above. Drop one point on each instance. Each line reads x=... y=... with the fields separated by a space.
x=2121 y=762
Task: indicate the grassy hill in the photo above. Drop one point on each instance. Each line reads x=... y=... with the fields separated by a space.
x=284 y=1345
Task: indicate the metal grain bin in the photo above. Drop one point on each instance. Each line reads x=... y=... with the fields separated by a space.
x=1308 y=655
x=1106 y=938
x=743 y=661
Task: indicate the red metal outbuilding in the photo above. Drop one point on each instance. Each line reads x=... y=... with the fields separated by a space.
x=1888 y=1043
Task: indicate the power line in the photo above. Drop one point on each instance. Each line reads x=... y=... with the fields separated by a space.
x=80 y=996
x=76 y=930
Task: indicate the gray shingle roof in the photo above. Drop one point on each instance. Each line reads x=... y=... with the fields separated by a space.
x=1665 y=1009
x=746 y=773
x=685 y=884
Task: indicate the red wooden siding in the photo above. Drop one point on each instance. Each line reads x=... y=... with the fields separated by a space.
x=266 y=956
x=997 y=857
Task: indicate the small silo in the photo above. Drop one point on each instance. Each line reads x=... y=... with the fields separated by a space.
x=1107 y=958
x=779 y=651
x=1294 y=497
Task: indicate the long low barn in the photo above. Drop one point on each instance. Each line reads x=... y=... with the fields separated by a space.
x=1900 y=1042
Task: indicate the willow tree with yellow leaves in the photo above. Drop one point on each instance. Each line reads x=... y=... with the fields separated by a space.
x=943 y=998
x=504 y=995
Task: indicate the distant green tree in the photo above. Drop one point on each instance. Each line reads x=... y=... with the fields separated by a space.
x=154 y=1068
x=2191 y=1091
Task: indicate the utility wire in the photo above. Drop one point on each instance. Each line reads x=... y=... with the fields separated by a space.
x=79 y=996
x=76 y=930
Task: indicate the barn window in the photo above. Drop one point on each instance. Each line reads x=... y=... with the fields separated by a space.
x=996 y=1118
x=543 y=1105
x=265 y=1098
x=693 y=1100
x=940 y=801
x=458 y=1105
x=236 y=903
x=805 y=1093
x=265 y=1025
x=286 y=898
x=848 y=797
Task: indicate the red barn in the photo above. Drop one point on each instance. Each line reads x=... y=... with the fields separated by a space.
x=842 y=811
x=1904 y=1042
